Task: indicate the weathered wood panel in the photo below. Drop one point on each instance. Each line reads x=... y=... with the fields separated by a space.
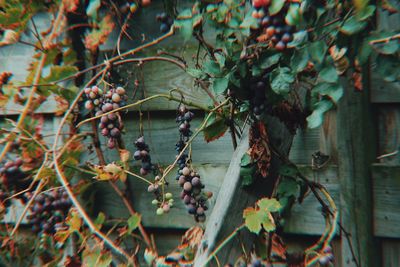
x=107 y=201
x=389 y=134
x=387 y=200
x=390 y=253
x=306 y=218
x=356 y=151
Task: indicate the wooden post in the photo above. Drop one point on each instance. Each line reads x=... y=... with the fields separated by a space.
x=227 y=213
x=356 y=151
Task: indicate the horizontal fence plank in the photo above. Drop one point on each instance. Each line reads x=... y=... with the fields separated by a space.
x=305 y=218
x=389 y=133
x=386 y=190
x=390 y=253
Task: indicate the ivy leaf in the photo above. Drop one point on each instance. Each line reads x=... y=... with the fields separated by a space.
x=352 y=26
x=317 y=51
x=133 y=222
x=220 y=85
x=288 y=170
x=365 y=13
x=212 y=68
x=185 y=28
x=269 y=204
x=101 y=217
x=74 y=221
x=293 y=16
x=195 y=73
x=299 y=60
x=275 y=6
x=99 y=35
x=281 y=78
x=388 y=67
x=249 y=22
x=316 y=117
x=252 y=220
x=247 y=174
x=264 y=62
x=333 y=90
x=299 y=38
x=329 y=74
x=215 y=128
x=288 y=187
x=387 y=48
x=92 y=8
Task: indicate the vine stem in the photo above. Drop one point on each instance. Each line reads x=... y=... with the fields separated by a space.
x=385 y=40
x=63 y=180
x=36 y=79
x=139 y=102
x=203 y=125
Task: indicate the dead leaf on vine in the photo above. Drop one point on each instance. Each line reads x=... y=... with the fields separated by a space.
x=357 y=76
x=98 y=36
x=193 y=237
x=70 y=5
x=62 y=105
x=259 y=149
x=111 y=171
x=339 y=59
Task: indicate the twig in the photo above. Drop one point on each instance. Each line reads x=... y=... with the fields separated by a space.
x=36 y=79
x=139 y=102
x=385 y=40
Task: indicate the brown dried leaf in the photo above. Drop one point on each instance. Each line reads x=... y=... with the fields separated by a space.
x=193 y=237
x=357 y=76
x=98 y=36
x=259 y=150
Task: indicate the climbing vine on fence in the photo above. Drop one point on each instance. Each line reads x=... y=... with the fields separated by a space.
x=285 y=59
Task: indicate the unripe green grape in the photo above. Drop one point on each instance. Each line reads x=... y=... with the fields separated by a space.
x=160 y=211
x=168 y=195
x=154 y=202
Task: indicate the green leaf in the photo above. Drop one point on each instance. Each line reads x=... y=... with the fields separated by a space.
x=247 y=174
x=281 y=78
x=317 y=51
x=299 y=60
x=352 y=26
x=275 y=6
x=388 y=67
x=288 y=187
x=100 y=220
x=60 y=72
x=264 y=62
x=246 y=160
x=249 y=22
x=220 y=85
x=299 y=38
x=288 y=170
x=365 y=13
x=215 y=128
x=293 y=16
x=269 y=204
x=316 y=117
x=387 y=48
x=333 y=90
x=195 y=73
x=212 y=68
x=252 y=220
x=185 y=27
x=329 y=74
x=133 y=222
x=92 y=8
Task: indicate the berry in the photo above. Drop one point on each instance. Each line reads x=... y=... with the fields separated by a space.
x=160 y=211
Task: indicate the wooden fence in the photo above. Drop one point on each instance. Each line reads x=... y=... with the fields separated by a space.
x=377 y=184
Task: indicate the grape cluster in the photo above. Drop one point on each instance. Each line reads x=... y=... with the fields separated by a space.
x=165 y=20
x=328 y=256
x=258 y=100
x=183 y=119
x=188 y=179
x=164 y=203
x=49 y=210
x=102 y=102
x=12 y=177
x=143 y=153
x=274 y=26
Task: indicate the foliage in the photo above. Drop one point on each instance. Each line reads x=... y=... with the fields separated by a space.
x=290 y=60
